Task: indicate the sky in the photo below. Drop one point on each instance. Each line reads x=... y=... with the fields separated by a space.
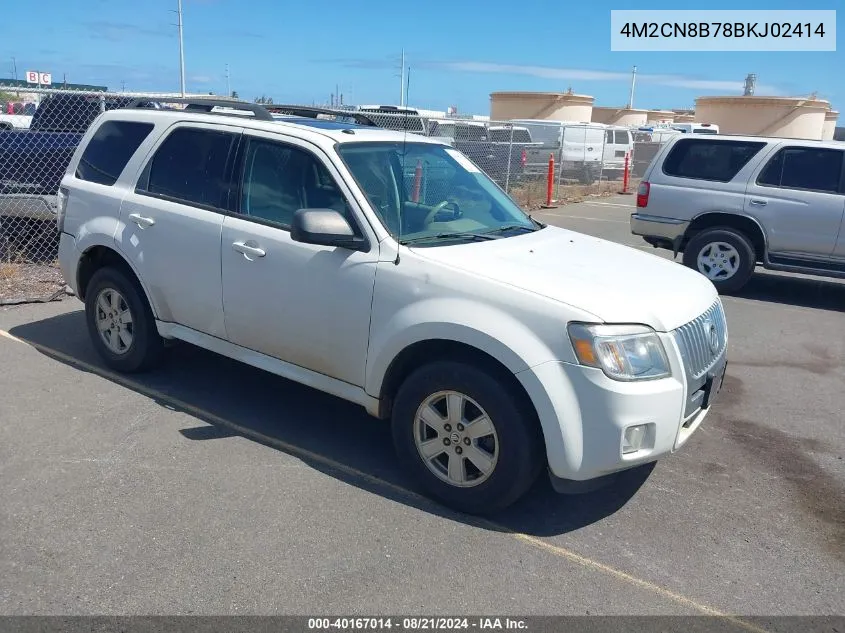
x=458 y=52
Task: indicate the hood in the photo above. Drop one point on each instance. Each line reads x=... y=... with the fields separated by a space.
x=617 y=283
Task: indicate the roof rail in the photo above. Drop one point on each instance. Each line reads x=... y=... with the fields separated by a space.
x=198 y=104
x=313 y=112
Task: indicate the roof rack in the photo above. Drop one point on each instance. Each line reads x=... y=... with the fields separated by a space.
x=314 y=112
x=195 y=104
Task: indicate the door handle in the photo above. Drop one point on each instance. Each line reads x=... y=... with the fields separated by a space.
x=247 y=250
x=141 y=221
x=759 y=203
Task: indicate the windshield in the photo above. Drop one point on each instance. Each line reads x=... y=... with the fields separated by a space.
x=429 y=193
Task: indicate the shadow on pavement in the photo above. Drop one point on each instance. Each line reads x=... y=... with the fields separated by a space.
x=824 y=294
x=330 y=434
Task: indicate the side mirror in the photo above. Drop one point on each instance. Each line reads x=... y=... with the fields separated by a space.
x=325 y=227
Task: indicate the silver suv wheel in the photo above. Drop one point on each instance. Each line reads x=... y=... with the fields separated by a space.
x=114 y=321
x=456 y=439
x=718 y=261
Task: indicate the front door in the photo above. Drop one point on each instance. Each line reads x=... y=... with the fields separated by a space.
x=305 y=304
x=797 y=196
x=171 y=224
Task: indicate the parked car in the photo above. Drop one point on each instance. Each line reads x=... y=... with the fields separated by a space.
x=729 y=203
x=696 y=128
x=33 y=161
x=497 y=346
x=618 y=144
x=576 y=147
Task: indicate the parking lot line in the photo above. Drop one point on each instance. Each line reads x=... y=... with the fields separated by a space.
x=300 y=452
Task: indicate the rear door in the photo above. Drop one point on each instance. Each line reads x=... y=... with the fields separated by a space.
x=172 y=221
x=797 y=197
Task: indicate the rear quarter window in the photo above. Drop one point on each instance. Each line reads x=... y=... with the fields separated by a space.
x=110 y=149
x=706 y=159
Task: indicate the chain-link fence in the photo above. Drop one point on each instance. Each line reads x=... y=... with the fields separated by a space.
x=46 y=125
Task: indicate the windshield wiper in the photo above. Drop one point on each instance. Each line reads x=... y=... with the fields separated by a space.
x=449 y=236
x=514 y=227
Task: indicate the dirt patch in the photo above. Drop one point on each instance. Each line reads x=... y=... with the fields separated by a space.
x=29 y=282
x=532 y=195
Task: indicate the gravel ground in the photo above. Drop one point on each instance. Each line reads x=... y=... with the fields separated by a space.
x=21 y=283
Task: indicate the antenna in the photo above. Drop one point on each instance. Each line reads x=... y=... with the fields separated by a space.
x=407 y=86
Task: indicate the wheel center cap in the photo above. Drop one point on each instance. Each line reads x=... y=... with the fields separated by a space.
x=456 y=439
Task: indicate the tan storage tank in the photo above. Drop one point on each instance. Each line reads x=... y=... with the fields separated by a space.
x=829 y=128
x=553 y=106
x=660 y=116
x=789 y=117
x=619 y=116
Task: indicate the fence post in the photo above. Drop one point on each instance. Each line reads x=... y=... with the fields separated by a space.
x=510 y=154
x=550 y=178
x=625 y=176
x=417 y=181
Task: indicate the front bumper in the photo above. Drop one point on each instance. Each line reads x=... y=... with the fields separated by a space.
x=584 y=413
x=669 y=229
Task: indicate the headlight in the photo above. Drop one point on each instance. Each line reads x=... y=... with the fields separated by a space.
x=623 y=352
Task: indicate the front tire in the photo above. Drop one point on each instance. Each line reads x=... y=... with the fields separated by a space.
x=121 y=323
x=724 y=255
x=465 y=436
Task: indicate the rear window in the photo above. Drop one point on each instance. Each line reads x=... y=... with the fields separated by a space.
x=810 y=168
x=505 y=135
x=111 y=147
x=705 y=159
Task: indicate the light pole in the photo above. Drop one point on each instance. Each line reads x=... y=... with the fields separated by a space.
x=181 y=50
x=633 y=83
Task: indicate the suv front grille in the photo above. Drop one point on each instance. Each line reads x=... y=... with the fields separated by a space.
x=702 y=341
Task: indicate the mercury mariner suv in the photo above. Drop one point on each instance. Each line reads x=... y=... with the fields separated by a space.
x=386 y=269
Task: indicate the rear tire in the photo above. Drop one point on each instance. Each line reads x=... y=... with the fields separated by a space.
x=121 y=323
x=497 y=467
x=722 y=254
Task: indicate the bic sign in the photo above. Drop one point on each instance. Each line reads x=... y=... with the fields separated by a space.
x=34 y=77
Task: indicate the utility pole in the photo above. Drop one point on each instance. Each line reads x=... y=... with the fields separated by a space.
x=402 y=81
x=228 y=84
x=15 y=68
x=633 y=83
x=181 y=50
x=407 y=86
x=123 y=86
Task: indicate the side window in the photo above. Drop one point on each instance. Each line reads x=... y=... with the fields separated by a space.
x=809 y=168
x=705 y=159
x=609 y=137
x=280 y=179
x=111 y=147
x=622 y=137
x=190 y=166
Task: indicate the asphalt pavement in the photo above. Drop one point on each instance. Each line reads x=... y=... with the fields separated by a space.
x=209 y=487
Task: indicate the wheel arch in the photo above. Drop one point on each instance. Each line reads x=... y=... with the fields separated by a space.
x=746 y=224
x=97 y=256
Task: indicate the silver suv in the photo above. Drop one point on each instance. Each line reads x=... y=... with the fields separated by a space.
x=732 y=202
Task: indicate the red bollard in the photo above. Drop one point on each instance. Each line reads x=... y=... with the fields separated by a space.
x=549 y=182
x=417 y=182
x=625 y=176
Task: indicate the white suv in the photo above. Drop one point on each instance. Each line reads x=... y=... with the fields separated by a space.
x=386 y=269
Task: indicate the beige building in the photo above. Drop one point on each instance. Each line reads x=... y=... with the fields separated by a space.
x=660 y=116
x=552 y=106
x=788 y=117
x=619 y=116
x=829 y=127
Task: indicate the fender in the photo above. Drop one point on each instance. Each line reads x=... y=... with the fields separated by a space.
x=479 y=325
x=101 y=231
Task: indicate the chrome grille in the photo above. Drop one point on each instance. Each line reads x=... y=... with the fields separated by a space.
x=696 y=340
